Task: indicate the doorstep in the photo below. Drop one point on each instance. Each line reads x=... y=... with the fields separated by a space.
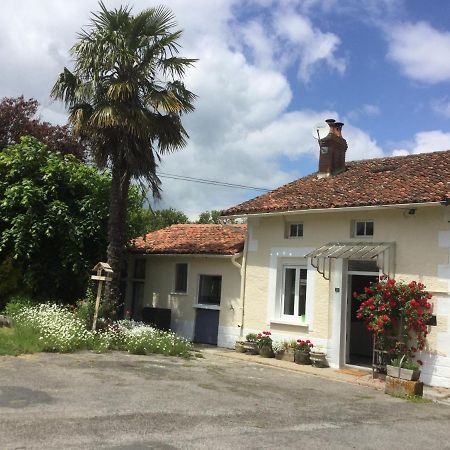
x=436 y=394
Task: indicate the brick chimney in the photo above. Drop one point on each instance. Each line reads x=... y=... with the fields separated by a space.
x=332 y=150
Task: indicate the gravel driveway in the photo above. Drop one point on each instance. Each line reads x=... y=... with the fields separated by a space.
x=121 y=401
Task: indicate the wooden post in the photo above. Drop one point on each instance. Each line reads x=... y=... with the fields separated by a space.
x=97 y=300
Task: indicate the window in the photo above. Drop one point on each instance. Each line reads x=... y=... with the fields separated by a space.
x=181 y=271
x=294 y=291
x=209 y=289
x=294 y=230
x=362 y=228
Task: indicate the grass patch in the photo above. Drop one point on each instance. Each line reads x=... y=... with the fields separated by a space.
x=19 y=340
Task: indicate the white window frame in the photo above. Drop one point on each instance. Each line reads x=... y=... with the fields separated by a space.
x=294 y=316
x=288 y=230
x=175 y=291
x=354 y=225
x=295 y=256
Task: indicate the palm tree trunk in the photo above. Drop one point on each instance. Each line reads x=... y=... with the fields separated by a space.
x=120 y=184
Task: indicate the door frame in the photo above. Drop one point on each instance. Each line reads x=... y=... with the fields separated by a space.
x=348 y=308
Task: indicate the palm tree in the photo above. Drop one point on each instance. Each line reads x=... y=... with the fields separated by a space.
x=125 y=99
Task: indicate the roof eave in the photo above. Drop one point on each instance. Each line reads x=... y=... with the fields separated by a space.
x=337 y=209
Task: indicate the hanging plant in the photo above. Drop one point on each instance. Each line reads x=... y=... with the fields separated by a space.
x=388 y=306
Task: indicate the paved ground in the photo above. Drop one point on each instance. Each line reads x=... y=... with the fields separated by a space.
x=121 y=401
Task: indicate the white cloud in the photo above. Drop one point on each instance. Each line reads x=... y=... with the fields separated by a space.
x=420 y=50
x=308 y=44
x=425 y=142
x=242 y=130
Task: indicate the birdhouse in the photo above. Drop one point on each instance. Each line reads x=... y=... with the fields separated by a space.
x=103 y=273
x=103 y=270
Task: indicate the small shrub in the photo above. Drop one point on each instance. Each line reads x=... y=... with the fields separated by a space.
x=16 y=304
x=251 y=337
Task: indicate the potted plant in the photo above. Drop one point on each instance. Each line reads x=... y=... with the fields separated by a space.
x=265 y=344
x=302 y=351
x=239 y=346
x=251 y=343
x=405 y=368
x=284 y=350
x=278 y=349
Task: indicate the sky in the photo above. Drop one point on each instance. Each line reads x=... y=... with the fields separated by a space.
x=267 y=72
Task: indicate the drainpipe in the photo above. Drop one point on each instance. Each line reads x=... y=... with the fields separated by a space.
x=243 y=267
x=234 y=258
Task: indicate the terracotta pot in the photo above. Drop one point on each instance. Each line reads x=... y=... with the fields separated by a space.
x=266 y=352
x=302 y=357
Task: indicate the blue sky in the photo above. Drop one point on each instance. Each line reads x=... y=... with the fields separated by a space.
x=267 y=72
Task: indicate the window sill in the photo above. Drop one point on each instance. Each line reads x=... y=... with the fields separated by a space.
x=178 y=293
x=295 y=323
x=206 y=306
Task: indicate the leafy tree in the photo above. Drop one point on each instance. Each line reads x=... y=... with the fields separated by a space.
x=18 y=117
x=165 y=217
x=209 y=217
x=53 y=221
x=126 y=98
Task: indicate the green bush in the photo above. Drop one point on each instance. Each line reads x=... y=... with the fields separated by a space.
x=16 y=304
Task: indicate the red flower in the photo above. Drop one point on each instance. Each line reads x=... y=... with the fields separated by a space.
x=419 y=362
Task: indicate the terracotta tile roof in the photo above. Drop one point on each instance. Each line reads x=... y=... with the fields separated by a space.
x=383 y=181
x=193 y=239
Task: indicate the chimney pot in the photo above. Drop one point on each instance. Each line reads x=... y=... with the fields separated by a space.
x=332 y=160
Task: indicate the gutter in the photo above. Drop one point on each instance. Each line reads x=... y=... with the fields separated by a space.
x=190 y=255
x=342 y=209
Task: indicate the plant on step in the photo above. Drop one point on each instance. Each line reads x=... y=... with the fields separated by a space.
x=304 y=346
x=264 y=339
x=251 y=337
x=279 y=346
x=406 y=363
x=401 y=309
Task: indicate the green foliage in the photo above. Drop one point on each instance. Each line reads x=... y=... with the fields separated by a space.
x=163 y=218
x=10 y=280
x=251 y=337
x=53 y=221
x=209 y=217
x=407 y=363
x=19 y=340
x=16 y=304
x=53 y=217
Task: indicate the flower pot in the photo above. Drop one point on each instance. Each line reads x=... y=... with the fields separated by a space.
x=239 y=347
x=285 y=355
x=318 y=359
x=266 y=352
x=302 y=357
x=404 y=374
x=251 y=347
